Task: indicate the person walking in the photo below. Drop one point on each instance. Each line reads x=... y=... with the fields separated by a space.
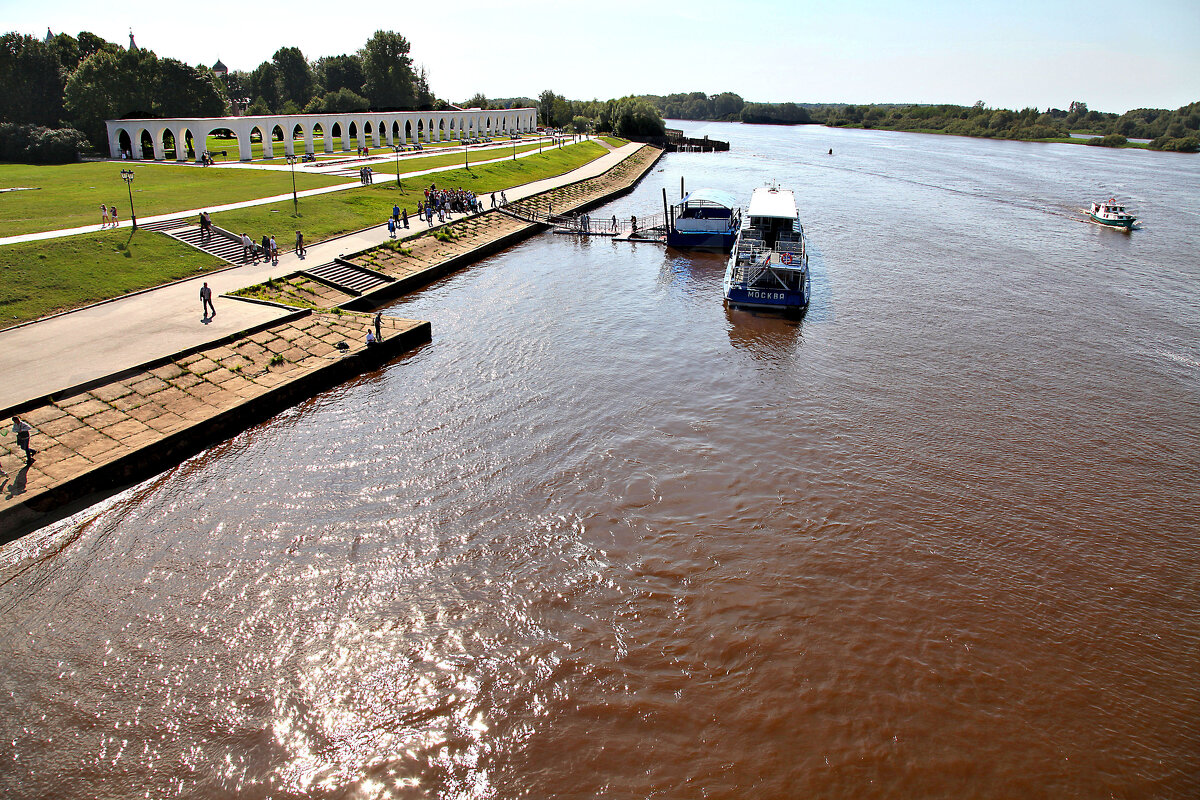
x=247 y=248
x=103 y=216
x=266 y=247
x=22 y=429
x=112 y=216
x=396 y=213
x=391 y=223
x=300 y=244
x=274 y=250
x=206 y=302
x=404 y=216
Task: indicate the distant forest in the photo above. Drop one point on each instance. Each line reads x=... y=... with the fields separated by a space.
x=1168 y=130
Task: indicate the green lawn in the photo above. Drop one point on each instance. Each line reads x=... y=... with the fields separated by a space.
x=446 y=159
x=614 y=141
x=69 y=195
x=40 y=278
x=354 y=209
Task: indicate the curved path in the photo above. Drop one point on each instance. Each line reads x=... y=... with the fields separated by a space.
x=58 y=352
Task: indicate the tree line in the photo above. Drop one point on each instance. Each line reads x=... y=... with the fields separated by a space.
x=59 y=90
x=1167 y=130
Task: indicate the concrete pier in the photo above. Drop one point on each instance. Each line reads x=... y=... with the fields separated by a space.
x=96 y=438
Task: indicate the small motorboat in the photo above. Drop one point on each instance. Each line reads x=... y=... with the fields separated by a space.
x=1112 y=214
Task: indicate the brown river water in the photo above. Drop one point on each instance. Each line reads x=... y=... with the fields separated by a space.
x=603 y=537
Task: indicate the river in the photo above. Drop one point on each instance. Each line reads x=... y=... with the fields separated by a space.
x=604 y=537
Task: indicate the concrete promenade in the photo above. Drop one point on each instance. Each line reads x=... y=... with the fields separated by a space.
x=52 y=354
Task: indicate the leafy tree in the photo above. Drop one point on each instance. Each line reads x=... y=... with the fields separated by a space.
x=110 y=85
x=581 y=124
x=633 y=116
x=295 y=76
x=342 y=101
x=32 y=81
x=727 y=105
x=477 y=101
x=390 y=82
x=341 y=72
x=545 y=107
x=264 y=86
x=183 y=91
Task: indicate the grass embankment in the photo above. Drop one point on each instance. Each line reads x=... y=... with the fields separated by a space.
x=615 y=141
x=69 y=195
x=40 y=278
x=354 y=209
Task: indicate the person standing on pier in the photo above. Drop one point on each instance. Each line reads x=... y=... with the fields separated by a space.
x=378 y=326
x=22 y=429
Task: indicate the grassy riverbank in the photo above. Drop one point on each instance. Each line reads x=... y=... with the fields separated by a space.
x=341 y=212
x=70 y=195
x=40 y=278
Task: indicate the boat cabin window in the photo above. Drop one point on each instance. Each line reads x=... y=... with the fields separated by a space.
x=771 y=228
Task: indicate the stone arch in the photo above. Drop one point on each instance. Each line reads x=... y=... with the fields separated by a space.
x=487 y=128
x=163 y=136
x=122 y=141
x=420 y=129
x=269 y=140
x=145 y=143
x=351 y=136
x=188 y=153
x=317 y=130
x=396 y=133
x=442 y=129
x=408 y=131
x=335 y=136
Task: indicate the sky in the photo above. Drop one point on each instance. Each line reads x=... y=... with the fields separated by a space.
x=1009 y=54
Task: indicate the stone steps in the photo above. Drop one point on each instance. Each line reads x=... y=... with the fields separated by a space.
x=227 y=249
x=347 y=277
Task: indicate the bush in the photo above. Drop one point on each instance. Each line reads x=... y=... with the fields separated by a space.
x=1186 y=144
x=33 y=144
x=1112 y=140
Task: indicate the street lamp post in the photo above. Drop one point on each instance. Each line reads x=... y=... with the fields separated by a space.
x=396 y=148
x=127 y=176
x=295 y=201
x=466 y=161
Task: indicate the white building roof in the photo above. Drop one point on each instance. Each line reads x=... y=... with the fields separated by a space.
x=769 y=201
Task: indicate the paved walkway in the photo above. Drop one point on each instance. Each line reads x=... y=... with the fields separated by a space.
x=62 y=351
x=279 y=198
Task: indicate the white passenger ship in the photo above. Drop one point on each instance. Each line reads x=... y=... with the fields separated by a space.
x=769 y=264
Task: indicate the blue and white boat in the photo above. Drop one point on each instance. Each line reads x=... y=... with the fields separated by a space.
x=768 y=267
x=704 y=219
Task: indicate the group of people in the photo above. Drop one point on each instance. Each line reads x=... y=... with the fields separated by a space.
x=448 y=201
x=503 y=199
x=108 y=216
x=206 y=159
x=366 y=176
x=269 y=249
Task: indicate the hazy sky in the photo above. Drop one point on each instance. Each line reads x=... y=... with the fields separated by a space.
x=1013 y=53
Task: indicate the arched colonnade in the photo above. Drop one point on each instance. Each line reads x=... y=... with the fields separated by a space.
x=133 y=137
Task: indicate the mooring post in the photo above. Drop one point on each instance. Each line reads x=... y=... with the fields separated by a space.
x=666 y=213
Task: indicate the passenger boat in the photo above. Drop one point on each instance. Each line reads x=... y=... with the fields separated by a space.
x=768 y=267
x=704 y=219
x=1112 y=214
